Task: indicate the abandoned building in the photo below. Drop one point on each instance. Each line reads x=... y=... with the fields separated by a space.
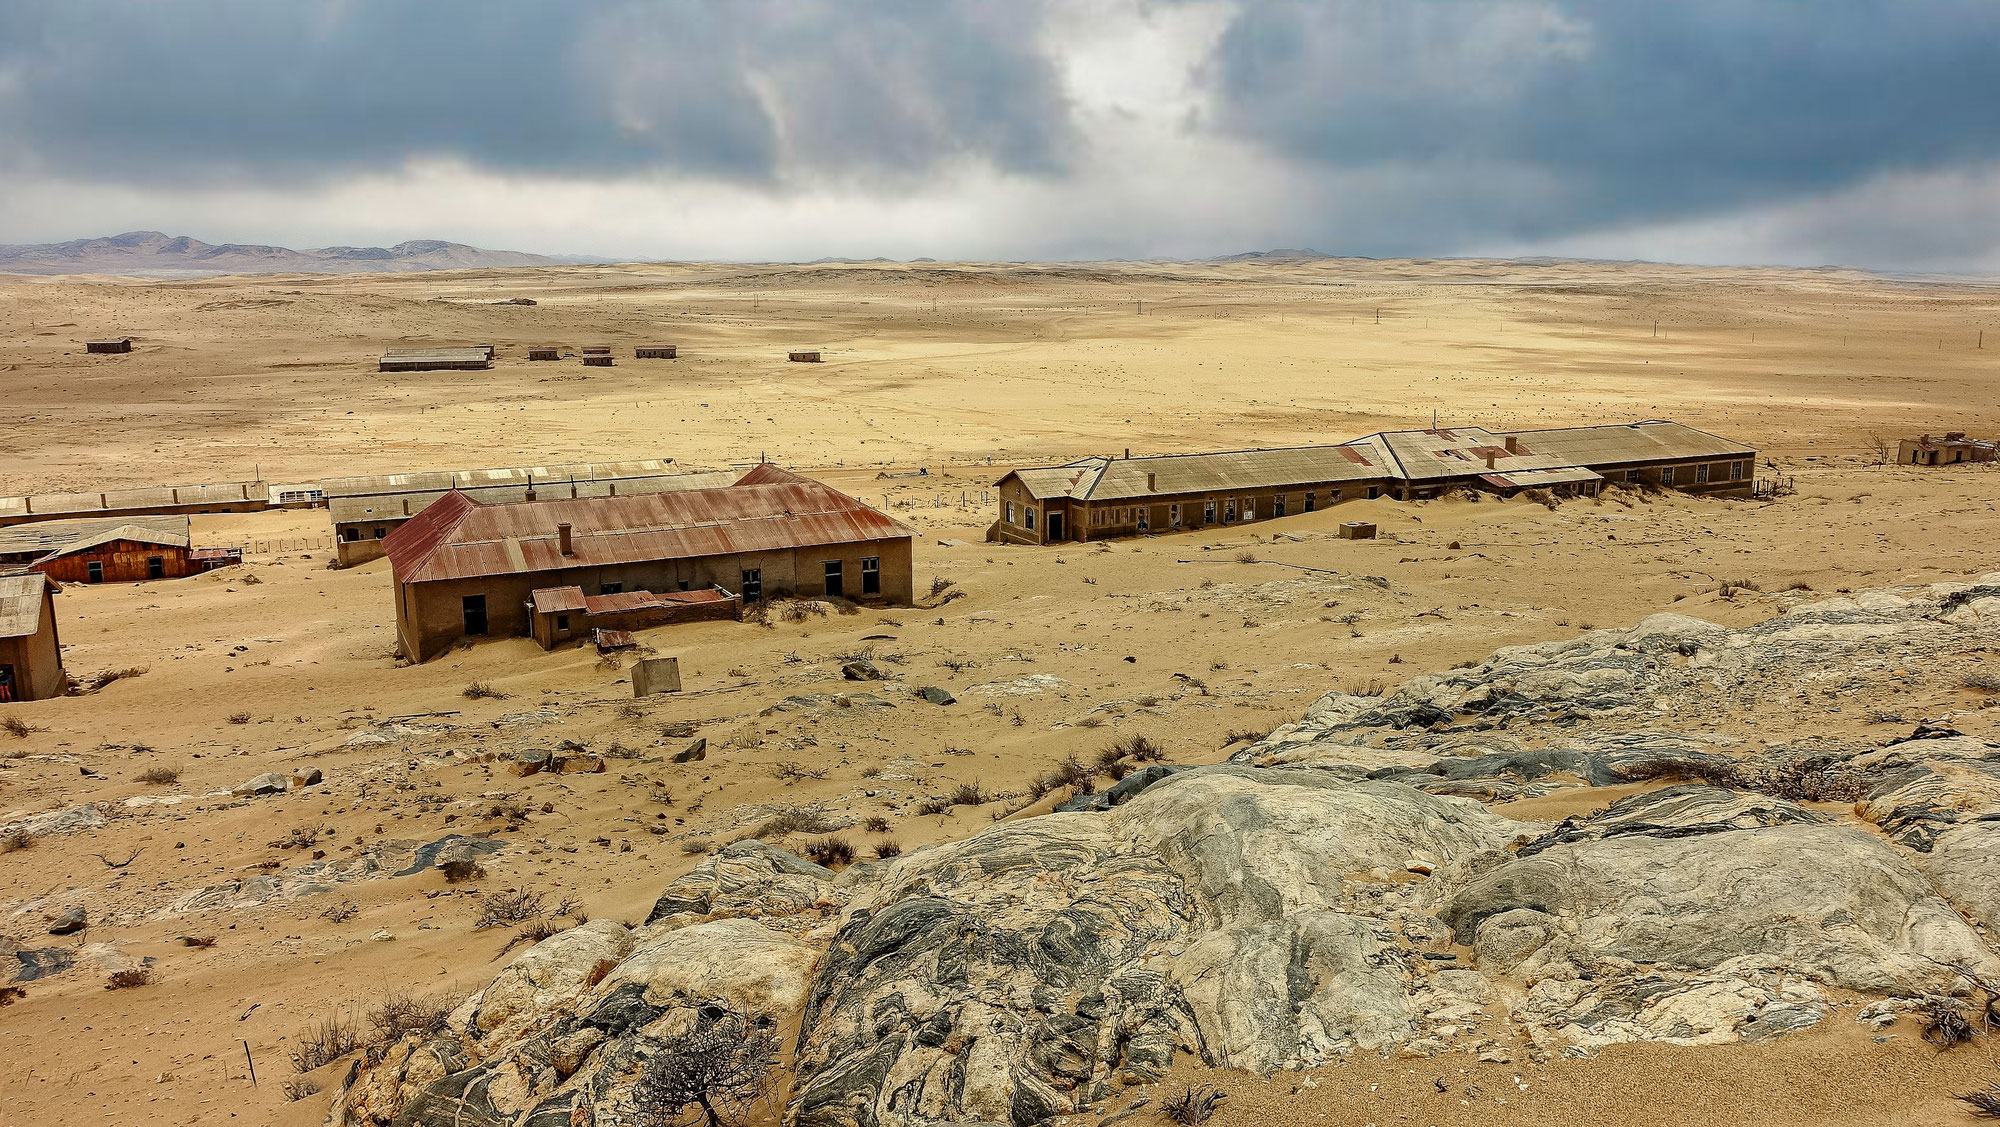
x=548 y=352
x=598 y=360
x=1096 y=498
x=131 y=553
x=30 y=652
x=122 y=344
x=366 y=509
x=1951 y=450
x=468 y=569
x=564 y=613
x=804 y=356
x=656 y=352
x=22 y=544
x=226 y=497
x=437 y=359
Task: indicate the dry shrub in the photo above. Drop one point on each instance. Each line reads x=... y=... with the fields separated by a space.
x=792 y=772
x=1246 y=557
x=401 y=1013
x=797 y=820
x=1944 y=1021
x=129 y=977
x=1139 y=749
x=1984 y=1103
x=480 y=690
x=160 y=776
x=342 y=912
x=797 y=610
x=1982 y=680
x=509 y=907
x=239 y=718
x=324 y=1042
x=1091 y=721
x=1193 y=1106
x=203 y=941
x=1117 y=770
x=887 y=848
x=18 y=728
x=534 y=931
x=1360 y=687
x=876 y=824
x=720 y=1067
x=969 y=794
x=1245 y=735
x=940 y=584
x=931 y=806
x=462 y=869
x=830 y=851
x=696 y=847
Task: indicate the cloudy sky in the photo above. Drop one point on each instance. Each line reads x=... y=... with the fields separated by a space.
x=1858 y=132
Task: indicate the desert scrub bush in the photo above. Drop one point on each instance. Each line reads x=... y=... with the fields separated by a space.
x=968 y=794
x=297 y=1088
x=695 y=847
x=400 y=1012
x=459 y=870
x=1139 y=749
x=831 y=851
x=1364 y=687
x=1984 y=1103
x=931 y=806
x=887 y=848
x=797 y=610
x=18 y=728
x=1246 y=557
x=128 y=978
x=509 y=907
x=323 y=1042
x=160 y=776
x=940 y=584
x=480 y=690
x=1244 y=735
x=791 y=772
x=1193 y=1106
x=719 y=1068
x=342 y=912
x=1117 y=769
x=876 y=824
x=1982 y=680
x=239 y=718
x=797 y=820
x=1944 y=1021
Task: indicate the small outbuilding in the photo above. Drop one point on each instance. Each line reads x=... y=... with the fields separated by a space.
x=804 y=356
x=1951 y=450
x=549 y=352
x=22 y=545
x=130 y=553
x=437 y=359
x=560 y=614
x=597 y=360
x=656 y=352
x=122 y=344
x=30 y=652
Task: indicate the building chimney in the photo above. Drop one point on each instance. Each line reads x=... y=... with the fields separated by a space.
x=1128 y=453
x=1152 y=483
x=1513 y=445
x=531 y=488
x=406 y=506
x=1490 y=455
x=563 y=541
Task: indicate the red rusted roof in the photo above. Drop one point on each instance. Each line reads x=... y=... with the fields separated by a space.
x=459 y=538
x=557 y=600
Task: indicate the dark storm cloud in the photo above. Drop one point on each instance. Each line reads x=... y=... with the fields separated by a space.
x=1617 y=111
x=218 y=90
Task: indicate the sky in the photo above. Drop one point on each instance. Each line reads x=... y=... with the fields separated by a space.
x=1802 y=132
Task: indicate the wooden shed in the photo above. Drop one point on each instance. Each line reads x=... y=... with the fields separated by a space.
x=597 y=350
x=550 y=352
x=30 y=652
x=597 y=359
x=804 y=356
x=122 y=344
x=656 y=351
x=131 y=553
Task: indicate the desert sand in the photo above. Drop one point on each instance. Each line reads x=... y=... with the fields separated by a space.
x=1196 y=640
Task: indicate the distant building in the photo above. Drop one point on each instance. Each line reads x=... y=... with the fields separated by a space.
x=1950 y=450
x=467 y=569
x=437 y=359
x=23 y=544
x=303 y=495
x=804 y=356
x=545 y=352
x=122 y=344
x=224 y=497
x=656 y=351
x=366 y=509
x=131 y=553
x=1097 y=498
x=30 y=652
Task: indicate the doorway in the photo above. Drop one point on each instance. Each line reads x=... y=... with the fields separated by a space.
x=474 y=607
x=6 y=684
x=834 y=589
x=1055 y=526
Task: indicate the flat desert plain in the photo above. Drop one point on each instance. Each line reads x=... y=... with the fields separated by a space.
x=1197 y=641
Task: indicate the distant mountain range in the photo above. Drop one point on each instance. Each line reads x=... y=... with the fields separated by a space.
x=154 y=254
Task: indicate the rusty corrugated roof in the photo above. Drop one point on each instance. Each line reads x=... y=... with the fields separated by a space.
x=21 y=604
x=43 y=537
x=459 y=538
x=557 y=600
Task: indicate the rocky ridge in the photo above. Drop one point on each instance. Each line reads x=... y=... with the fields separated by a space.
x=1340 y=887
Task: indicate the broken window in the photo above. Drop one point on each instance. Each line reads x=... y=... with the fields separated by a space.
x=753 y=584
x=871 y=575
x=834 y=588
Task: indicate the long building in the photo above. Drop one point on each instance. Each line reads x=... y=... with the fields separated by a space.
x=23 y=544
x=465 y=568
x=365 y=510
x=223 y=497
x=1098 y=498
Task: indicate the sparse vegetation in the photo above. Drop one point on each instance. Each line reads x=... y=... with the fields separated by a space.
x=887 y=848
x=18 y=728
x=297 y=1088
x=1246 y=557
x=792 y=772
x=481 y=690
x=940 y=584
x=1982 y=680
x=1245 y=735
x=459 y=870
x=720 y=1067
x=797 y=820
x=831 y=851
x=128 y=978
x=324 y=1042
x=695 y=847
x=197 y=941
x=509 y=907
x=1984 y=1103
x=876 y=824
x=239 y=718
x=1814 y=779
x=160 y=776
x=1944 y=1021
x=1193 y=1106
x=969 y=794
x=1364 y=687
x=401 y=1013
x=342 y=912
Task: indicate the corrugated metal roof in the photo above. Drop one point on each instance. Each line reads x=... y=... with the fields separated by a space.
x=1408 y=455
x=138 y=534
x=358 y=500
x=459 y=538
x=21 y=604
x=557 y=600
x=1653 y=440
x=160 y=497
x=1542 y=479
x=46 y=536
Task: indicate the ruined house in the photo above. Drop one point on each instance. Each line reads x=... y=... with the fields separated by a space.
x=464 y=568
x=132 y=553
x=1951 y=450
x=1096 y=498
x=30 y=652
